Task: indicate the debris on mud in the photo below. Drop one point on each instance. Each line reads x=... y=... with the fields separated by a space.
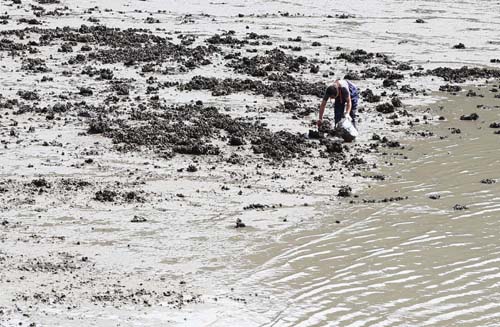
x=385 y=108
x=345 y=191
x=434 y=196
x=460 y=75
x=138 y=219
x=460 y=207
x=255 y=206
x=369 y=96
x=472 y=116
x=450 y=88
x=40 y=183
x=239 y=223
x=105 y=196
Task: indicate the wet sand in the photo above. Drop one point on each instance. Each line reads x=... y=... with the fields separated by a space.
x=130 y=157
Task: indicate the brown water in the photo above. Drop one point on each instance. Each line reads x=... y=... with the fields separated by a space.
x=416 y=262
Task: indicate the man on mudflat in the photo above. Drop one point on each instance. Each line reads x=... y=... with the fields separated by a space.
x=345 y=95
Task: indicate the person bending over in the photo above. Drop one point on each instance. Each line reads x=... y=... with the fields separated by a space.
x=346 y=96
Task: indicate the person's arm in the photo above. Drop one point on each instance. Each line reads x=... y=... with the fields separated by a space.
x=321 y=112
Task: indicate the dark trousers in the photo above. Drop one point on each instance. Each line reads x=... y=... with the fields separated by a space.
x=339 y=111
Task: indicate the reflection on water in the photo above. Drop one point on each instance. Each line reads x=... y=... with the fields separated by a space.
x=417 y=262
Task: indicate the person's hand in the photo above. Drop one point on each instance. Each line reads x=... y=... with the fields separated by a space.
x=319 y=122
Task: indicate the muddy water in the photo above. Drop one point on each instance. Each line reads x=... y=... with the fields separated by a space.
x=415 y=262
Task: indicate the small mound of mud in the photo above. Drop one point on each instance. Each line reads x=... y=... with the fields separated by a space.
x=460 y=75
x=361 y=56
x=239 y=223
x=138 y=219
x=28 y=95
x=345 y=191
x=450 y=88
x=472 y=116
x=105 y=196
x=191 y=129
x=86 y=91
x=118 y=296
x=385 y=108
x=312 y=134
x=379 y=73
x=396 y=102
x=14 y=48
x=459 y=46
x=226 y=38
x=74 y=184
x=98 y=126
x=41 y=183
x=128 y=46
x=236 y=141
x=35 y=65
x=369 y=96
x=279 y=146
x=287 y=86
x=272 y=61
x=459 y=207
x=61 y=263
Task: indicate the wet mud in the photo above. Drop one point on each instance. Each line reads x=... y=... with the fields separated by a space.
x=139 y=163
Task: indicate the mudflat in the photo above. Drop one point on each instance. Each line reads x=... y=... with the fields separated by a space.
x=160 y=164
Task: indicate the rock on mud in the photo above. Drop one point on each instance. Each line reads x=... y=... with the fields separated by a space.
x=105 y=196
x=460 y=207
x=239 y=223
x=98 y=126
x=345 y=191
x=385 y=108
x=138 y=219
x=191 y=169
x=434 y=196
x=314 y=134
x=369 y=96
x=85 y=91
x=41 y=183
x=472 y=116
x=450 y=88
x=332 y=146
x=396 y=102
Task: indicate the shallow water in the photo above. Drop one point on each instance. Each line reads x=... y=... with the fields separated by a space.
x=416 y=262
